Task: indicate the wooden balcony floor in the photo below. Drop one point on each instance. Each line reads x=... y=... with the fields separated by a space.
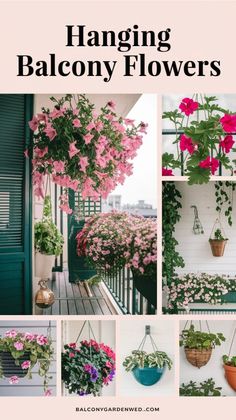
x=73 y=299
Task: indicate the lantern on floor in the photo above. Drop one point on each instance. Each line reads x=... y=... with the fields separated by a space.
x=44 y=297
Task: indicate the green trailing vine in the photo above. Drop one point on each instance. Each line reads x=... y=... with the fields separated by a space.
x=224 y=198
x=170 y=216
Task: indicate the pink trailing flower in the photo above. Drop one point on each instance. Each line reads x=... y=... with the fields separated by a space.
x=167 y=172
x=48 y=393
x=72 y=345
x=33 y=123
x=13 y=380
x=87 y=138
x=50 y=131
x=56 y=113
x=83 y=162
x=228 y=123
x=90 y=126
x=210 y=163
x=59 y=166
x=42 y=340
x=186 y=143
x=18 y=345
x=128 y=121
x=227 y=143
x=87 y=368
x=64 y=204
x=111 y=104
x=11 y=333
x=71 y=355
x=73 y=150
x=26 y=364
x=188 y=106
x=41 y=152
x=29 y=336
x=76 y=123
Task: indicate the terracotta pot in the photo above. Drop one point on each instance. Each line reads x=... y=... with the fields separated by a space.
x=230 y=375
x=217 y=247
x=198 y=357
x=44 y=265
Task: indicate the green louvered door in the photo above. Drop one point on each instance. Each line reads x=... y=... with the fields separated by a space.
x=15 y=206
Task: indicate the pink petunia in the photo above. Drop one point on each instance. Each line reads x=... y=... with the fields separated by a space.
x=83 y=162
x=87 y=138
x=26 y=364
x=73 y=149
x=56 y=113
x=111 y=104
x=188 y=106
x=186 y=143
x=71 y=354
x=76 y=123
x=167 y=172
x=59 y=166
x=33 y=123
x=13 y=380
x=210 y=163
x=42 y=340
x=227 y=143
x=48 y=393
x=41 y=152
x=50 y=131
x=90 y=126
x=228 y=123
x=11 y=333
x=65 y=207
x=18 y=345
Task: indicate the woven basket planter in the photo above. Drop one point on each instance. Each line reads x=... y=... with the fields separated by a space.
x=217 y=247
x=198 y=357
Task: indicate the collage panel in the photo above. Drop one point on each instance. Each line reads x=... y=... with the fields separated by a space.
x=207 y=358
x=28 y=358
x=77 y=217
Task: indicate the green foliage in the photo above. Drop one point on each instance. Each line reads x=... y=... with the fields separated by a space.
x=204 y=389
x=229 y=360
x=141 y=359
x=200 y=340
x=197 y=175
x=224 y=198
x=170 y=216
x=48 y=239
x=218 y=235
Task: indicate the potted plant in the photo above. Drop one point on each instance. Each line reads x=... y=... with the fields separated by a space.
x=218 y=243
x=230 y=370
x=198 y=345
x=206 y=388
x=87 y=368
x=203 y=139
x=79 y=148
x=20 y=352
x=112 y=241
x=147 y=368
x=48 y=242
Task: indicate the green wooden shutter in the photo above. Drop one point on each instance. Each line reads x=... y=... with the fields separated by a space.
x=15 y=206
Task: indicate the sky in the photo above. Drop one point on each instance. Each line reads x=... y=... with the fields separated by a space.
x=142 y=185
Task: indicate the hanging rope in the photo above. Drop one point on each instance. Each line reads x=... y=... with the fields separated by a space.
x=90 y=331
x=232 y=341
x=217 y=222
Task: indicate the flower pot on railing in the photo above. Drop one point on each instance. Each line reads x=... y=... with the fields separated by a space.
x=146 y=284
x=9 y=367
x=230 y=375
x=198 y=357
x=148 y=376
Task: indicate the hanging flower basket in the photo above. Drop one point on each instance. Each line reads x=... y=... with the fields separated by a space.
x=198 y=345
x=198 y=357
x=88 y=367
x=79 y=148
x=217 y=239
x=20 y=352
x=146 y=285
x=148 y=376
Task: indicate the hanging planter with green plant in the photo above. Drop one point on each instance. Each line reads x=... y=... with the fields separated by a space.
x=147 y=368
x=217 y=239
x=229 y=363
x=198 y=345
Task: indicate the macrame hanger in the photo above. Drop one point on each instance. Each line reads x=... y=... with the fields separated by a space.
x=217 y=222
x=232 y=342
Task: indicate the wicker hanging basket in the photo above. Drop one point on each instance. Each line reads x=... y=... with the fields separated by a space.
x=217 y=244
x=198 y=357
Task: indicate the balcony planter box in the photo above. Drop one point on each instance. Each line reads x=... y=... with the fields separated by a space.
x=148 y=376
x=146 y=285
x=218 y=247
x=198 y=357
x=43 y=265
x=9 y=368
x=230 y=375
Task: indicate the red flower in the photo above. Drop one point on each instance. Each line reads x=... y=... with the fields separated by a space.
x=167 y=172
x=186 y=143
x=71 y=354
x=227 y=143
x=210 y=163
x=188 y=106
x=72 y=345
x=228 y=123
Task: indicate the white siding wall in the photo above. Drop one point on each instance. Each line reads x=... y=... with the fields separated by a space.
x=34 y=386
x=131 y=334
x=195 y=249
x=214 y=368
x=104 y=332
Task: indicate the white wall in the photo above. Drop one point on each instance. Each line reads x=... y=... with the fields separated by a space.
x=104 y=332
x=214 y=368
x=131 y=334
x=195 y=249
x=34 y=386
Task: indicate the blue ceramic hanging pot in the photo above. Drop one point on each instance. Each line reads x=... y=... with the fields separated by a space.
x=148 y=375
